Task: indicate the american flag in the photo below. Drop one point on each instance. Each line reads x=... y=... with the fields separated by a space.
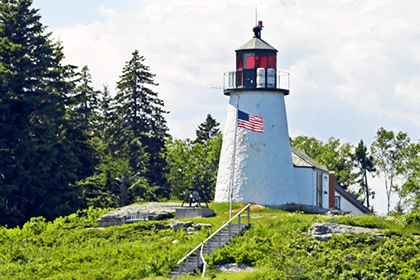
x=250 y=122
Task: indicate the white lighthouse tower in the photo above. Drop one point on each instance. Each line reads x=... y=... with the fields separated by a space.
x=256 y=162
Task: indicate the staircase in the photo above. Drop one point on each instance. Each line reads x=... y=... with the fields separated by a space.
x=195 y=259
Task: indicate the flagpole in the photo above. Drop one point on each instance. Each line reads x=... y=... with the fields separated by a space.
x=233 y=160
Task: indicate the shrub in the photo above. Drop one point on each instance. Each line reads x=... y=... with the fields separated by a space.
x=411 y=219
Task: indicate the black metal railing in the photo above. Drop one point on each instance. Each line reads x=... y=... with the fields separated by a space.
x=234 y=80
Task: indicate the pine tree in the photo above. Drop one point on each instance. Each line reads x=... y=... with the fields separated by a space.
x=365 y=163
x=141 y=122
x=82 y=102
x=207 y=130
x=105 y=116
x=37 y=164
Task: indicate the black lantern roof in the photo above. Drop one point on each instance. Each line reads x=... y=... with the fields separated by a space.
x=256 y=43
x=256 y=68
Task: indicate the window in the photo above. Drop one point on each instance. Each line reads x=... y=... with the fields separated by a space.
x=263 y=62
x=337 y=203
x=253 y=61
x=239 y=68
x=249 y=61
x=272 y=62
x=240 y=62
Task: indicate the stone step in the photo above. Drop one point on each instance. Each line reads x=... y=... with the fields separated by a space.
x=213 y=244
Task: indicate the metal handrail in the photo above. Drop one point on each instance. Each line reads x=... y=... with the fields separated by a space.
x=204 y=261
x=214 y=234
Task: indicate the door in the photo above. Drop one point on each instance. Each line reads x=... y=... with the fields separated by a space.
x=319 y=189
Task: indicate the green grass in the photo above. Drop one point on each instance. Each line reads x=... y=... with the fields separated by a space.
x=276 y=245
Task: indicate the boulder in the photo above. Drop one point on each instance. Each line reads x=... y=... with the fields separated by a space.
x=234 y=267
x=325 y=231
x=157 y=211
x=161 y=226
x=176 y=225
x=200 y=226
x=299 y=207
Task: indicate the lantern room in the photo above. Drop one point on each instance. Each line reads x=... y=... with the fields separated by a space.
x=256 y=67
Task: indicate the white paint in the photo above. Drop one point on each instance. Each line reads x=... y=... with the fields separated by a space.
x=347 y=206
x=263 y=168
x=263 y=164
x=305 y=184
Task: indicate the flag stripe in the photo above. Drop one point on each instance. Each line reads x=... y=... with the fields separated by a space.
x=250 y=122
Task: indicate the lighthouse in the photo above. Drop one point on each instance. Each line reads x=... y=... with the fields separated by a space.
x=256 y=160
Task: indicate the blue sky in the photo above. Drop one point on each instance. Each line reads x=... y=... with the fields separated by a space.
x=355 y=65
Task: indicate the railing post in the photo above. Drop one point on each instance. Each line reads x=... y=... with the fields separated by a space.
x=229 y=229
x=219 y=241
x=239 y=222
x=186 y=264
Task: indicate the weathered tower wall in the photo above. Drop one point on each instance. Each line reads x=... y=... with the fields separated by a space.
x=263 y=168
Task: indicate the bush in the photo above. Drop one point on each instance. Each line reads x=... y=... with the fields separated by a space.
x=412 y=219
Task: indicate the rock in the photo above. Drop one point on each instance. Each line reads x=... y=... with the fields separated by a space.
x=157 y=211
x=200 y=226
x=325 y=231
x=110 y=220
x=175 y=241
x=234 y=267
x=180 y=225
x=161 y=226
x=335 y=212
x=255 y=216
x=299 y=207
x=193 y=212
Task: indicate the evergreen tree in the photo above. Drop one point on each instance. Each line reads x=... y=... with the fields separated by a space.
x=81 y=111
x=103 y=120
x=37 y=163
x=141 y=121
x=115 y=183
x=82 y=102
x=365 y=163
x=207 y=130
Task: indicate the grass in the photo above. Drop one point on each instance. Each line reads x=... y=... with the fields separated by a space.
x=276 y=245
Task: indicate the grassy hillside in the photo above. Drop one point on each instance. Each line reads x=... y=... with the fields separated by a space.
x=277 y=245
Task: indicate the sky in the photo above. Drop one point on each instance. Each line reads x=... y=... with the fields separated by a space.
x=354 y=65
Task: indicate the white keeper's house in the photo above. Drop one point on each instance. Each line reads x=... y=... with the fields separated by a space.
x=257 y=162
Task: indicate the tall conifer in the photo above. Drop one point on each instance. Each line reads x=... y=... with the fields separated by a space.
x=207 y=130
x=140 y=119
x=37 y=164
